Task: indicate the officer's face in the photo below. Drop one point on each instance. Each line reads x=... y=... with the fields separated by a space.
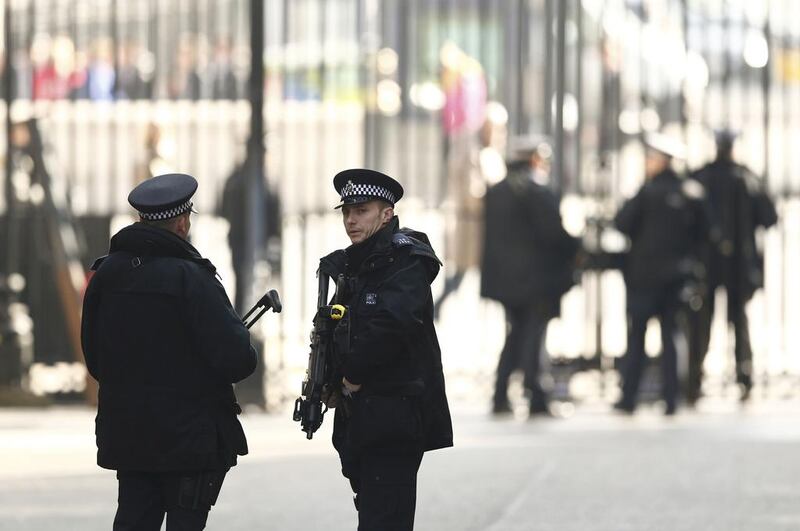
x=365 y=219
x=182 y=225
x=655 y=162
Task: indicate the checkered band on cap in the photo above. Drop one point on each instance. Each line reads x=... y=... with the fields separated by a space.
x=166 y=214
x=351 y=190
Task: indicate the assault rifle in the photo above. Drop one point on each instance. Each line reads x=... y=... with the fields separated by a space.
x=322 y=375
x=271 y=299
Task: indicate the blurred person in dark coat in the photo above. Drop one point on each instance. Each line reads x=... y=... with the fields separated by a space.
x=738 y=205
x=527 y=265
x=162 y=340
x=667 y=223
x=220 y=72
x=233 y=208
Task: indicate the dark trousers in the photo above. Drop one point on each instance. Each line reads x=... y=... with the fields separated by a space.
x=522 y=350
x=451 y=284
x=185 y=498
x=642 y=306
x=701 y=332
x=385 y=484
x=380 y=445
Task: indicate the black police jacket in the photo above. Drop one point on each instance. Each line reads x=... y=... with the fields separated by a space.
x=528 y=257
x=667 y=223
x=739 y=205
x=161 y=338
x=394 y=351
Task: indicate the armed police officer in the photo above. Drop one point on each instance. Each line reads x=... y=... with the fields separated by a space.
x=395 y=406
x=161 y=338
x=528 y=264
x=667 y=223
x=739 y=205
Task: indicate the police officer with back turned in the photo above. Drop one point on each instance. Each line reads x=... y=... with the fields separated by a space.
x=667 y=223
x=528 y=264
x=739 y=205
x=395 y=407
x=161 y=338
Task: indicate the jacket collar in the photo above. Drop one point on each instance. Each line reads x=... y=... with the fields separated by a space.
x=378 y=244
x=668 y=173
x=147 y=240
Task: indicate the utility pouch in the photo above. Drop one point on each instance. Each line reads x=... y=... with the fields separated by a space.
x=200 y=490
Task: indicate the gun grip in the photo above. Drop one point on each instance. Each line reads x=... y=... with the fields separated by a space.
x=274 y=301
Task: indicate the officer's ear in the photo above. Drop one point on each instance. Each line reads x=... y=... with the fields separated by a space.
x=387 y=213
x=182 y=225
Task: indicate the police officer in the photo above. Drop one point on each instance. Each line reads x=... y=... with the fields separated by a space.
x=527 y=266
x=739 y=205
x=161 y=338
x=392 y=370
x=666 y=222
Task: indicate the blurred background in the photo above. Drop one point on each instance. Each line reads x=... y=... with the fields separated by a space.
x=269 y=99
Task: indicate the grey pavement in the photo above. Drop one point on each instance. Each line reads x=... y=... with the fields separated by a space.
x=718 y=468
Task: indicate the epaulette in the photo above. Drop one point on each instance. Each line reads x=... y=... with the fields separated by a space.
x=401 y=240
x=418 y=248
x=97 y=263
x=334 y=263
x=692 y=189
x=753 y=184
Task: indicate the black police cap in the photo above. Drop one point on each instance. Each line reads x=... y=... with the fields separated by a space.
x=359 y=185
x=164 y=196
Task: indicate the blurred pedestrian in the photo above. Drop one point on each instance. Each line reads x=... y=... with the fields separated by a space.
x=739 y=205
x=233 y=208
x=101 y=76
x=131 y=82
x=161 y=338
x=154 y=161
x=527 y=265
x=220 y=72
x=392 y=370
x=666 y=222
x=464 y=116
x=184 y=81
x=47 y=81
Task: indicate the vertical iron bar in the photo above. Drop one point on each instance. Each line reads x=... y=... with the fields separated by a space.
x=579 y=96
x=523 y=27
x=558 y=132
x=725 y=97
x=681 y=97
x=8 y=86
x=547 y=107
x=254 y=190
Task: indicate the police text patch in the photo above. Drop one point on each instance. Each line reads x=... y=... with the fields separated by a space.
x=372 y=298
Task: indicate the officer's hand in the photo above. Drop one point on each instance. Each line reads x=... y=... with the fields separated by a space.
x=581 y=259
x=330 y=396
x=351 y=388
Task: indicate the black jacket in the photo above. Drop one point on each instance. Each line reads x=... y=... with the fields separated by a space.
x=161 y=338
x=667 y=223
x=738 y=206
x=393 y=345
x=527 y=255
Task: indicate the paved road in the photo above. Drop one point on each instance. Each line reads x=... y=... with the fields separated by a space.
x=720 y=468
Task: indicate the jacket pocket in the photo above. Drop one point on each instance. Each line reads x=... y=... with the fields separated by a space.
x=181 y=424
x=386 y=421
